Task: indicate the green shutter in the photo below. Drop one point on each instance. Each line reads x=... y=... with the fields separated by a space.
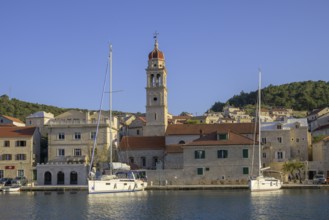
x=245 y=153
x=200 y=171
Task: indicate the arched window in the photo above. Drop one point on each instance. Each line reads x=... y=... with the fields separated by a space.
x=47 y=180
x=158 y=80
x=60 y=178
x=181 y=142
x=152 y=80
x=73 y=178
x=155 y=161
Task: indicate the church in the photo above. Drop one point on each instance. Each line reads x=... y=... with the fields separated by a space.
x=185 y=153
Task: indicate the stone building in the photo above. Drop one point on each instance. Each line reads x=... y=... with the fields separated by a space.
x=320 y=162
x=39 y=119
x=285 y=140
x=71 y=138
x=20 y=151
x=142 y=152
x=7 y=120
x=219 y=156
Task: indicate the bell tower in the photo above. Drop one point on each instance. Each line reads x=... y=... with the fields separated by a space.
x=156 y=93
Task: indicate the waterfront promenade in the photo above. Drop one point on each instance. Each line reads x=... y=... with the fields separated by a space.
x=173 y=187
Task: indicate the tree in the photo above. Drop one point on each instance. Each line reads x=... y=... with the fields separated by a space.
x=291 y=167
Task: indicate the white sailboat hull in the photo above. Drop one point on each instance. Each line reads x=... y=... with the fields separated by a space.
x=115 y=186
x=11 y=189
x=264 y=184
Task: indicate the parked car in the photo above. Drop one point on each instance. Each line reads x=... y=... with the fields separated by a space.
x=20 y=180
x=319 y=179
x=3 y=181
x=7 y=181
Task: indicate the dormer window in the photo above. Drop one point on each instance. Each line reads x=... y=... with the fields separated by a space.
x=297 y=125
x=279 y=126
x=223 y=136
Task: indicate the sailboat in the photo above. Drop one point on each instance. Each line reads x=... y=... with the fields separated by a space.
x=120 y=177
x=261 y=182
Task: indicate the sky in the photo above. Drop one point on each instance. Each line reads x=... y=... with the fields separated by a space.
x=56 y=52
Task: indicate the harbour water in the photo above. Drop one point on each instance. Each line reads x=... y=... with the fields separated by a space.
x=180 y=204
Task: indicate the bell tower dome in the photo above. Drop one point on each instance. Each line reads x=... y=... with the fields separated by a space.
x=156 y=93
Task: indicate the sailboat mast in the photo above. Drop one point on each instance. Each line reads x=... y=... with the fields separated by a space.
x=110 y=101
x=259 y=123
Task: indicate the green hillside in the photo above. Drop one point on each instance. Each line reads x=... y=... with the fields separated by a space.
x=299 y=96
x=20 y=109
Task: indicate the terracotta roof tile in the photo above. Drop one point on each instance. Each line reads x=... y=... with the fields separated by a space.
x=211 y=139
x=12 y=119
x=142 y=143
x=195 y=129
x=174 y=148
x=10 y=132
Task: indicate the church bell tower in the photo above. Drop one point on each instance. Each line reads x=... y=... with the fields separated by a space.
x=156 y=93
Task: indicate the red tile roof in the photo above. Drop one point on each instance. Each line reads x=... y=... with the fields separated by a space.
x=195 y=129
x=211 y=139
x=12 y=119
x=11 y=132
x=142 y=143
x=174 y=148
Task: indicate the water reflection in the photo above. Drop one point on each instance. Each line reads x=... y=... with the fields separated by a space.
x=116 y=205
x=190 y=204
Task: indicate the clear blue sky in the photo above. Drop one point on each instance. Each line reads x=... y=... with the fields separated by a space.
x=55 y=52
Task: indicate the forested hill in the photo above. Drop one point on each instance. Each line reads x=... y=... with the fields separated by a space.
x=20 y=109
x=299 y=96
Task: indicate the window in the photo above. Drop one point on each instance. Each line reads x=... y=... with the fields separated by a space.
x=6 y=144
x=77 y=152
x=20 y=156
x=199 y=154
x=61 y=136
x=92 y=135
x=73 y=178
x=61 y=152
x=20 y=173
x=280 y=139
x=263 y=140
x=20 y=143
x=131 y=160
x=137 y=132
x=222 y=153
x=155 y=161
x=279 y=127
x=77 y=136
x=222 y=136
x=245 y=153
x=47 y=180
x=6 y=156
x=297 y=140
x=199 y=171
x=181 y=142
x=280 y=155
x=143 y=161
x=245 y=170
x=60 y=178
x=264 y=155
x=1 y=174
